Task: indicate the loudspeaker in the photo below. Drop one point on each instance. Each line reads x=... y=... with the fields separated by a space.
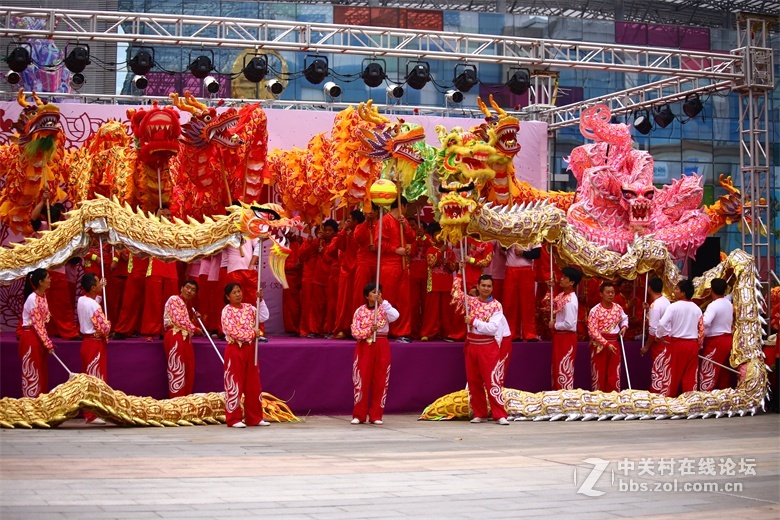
x=707 y=257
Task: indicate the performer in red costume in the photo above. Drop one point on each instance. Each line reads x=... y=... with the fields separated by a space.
x=131 y=311
x=418 y=277
x=371 y=365
x=365 y=264
x=393 y=273
x=564 y=330
x=519 y=292
x=487 y=354
x=347 y=246
x=318 y=306
x=606 y=321
x=179 y=329
x=34 y=341
x=683 y=325
x=162 y=280
x=660 y=374
x=543 y=276
x=308 y=256
x=439 y=318
x=718 y=320
x=479 y=255
x=242 y=375
x=332 y=287
x=117 y=278
x=95 y=329
x=627 y=298
x=291 y=297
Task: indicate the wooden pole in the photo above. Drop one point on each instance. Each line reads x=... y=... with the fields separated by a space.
x=378 y=258
x=103 y=275
x=257 y=302
x=463 y=275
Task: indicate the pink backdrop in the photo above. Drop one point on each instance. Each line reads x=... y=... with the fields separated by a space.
x=286 y=129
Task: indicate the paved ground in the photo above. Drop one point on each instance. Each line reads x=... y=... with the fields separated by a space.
x=326 y=468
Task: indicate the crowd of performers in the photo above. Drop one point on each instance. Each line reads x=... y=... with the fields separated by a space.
x=486 y=296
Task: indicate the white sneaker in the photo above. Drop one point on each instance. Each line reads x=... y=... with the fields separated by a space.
x=96 y=420
x=263 y=423
x=239 y=424
x=355 y=421
x=379 y=422
x=477 y=420
x=503 y=421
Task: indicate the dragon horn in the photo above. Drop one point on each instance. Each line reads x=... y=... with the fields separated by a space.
x=483 y=107
x=369 y=113
x=192 y=101
x=21 y=99
x=441 y=132
x=37 y=99
x=497 y=108
x=181 y=105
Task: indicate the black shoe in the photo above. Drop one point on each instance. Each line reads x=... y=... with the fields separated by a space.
x=403 y=339
x=119 y=336
x=262 y=339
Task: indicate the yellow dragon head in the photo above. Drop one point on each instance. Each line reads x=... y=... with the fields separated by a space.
x=463 y=157
x=38 y=125
x=455 y=207
x=499 y=130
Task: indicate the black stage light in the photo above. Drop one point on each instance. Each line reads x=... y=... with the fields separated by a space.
x=256 y=69
x=419 y=75
x=77 y=59
x=519 y=82
x=663 y=116
x=142 y=62
x=315 y=69
x=19 y=58
x=693 y=105
x=201 y=66
x=467 y=78
x=642 y=122
x=373 y=74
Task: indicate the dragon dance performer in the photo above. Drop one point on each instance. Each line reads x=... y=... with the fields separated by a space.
x=242 y=375
x=393 y=273
x=564 y=330
x=179 y=329
x=488 y=349
x=718 y=320
x=683 y=325
x=129 y=322
x=34 y=341
x=291 y=297
x=479 y=255
x=371 y=365
x=606 y=322
x=439 y=319
x=418 y=277
x=659 y=351
x=94 y=328
x=347 y=246
x=241 y=268
x=365 y=263
x=519 y=286
x=316 y=251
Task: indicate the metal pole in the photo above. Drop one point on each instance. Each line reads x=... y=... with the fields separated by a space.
x=205 y=333
x=70 y=374
x=644 y=311
x=257 y=301
x=103 y=275
x=625 y=361
x=552 y=283
x=378 y=258
x=159 y=189
x=721 y=366
x=463 y=275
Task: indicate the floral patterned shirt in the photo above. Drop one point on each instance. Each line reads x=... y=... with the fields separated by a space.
x=177 y=318
x=36 y=314
x=239 y=322
x=605 y=321
x=363 y=319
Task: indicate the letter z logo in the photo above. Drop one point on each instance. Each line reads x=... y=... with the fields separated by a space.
x=599 y=466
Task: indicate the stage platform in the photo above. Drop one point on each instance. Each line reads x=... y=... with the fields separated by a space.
x=314 y=375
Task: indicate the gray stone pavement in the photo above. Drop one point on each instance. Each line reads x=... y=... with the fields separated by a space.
x=325 y=468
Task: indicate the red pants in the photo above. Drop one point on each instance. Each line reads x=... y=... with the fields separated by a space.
x=318 y=309
x=242 y=378
x=291 y=303
x=363 y=275
x=418 y=291
x=329 y=327
x=130 y=314
x=519 y=302
x=395 y=289
x=35 y=370
x=439 y=318
x=210 y=299
x=344 y=308
x=247 y=279
x=711 y=376
x=504 y=357
x=661 y=371
x=498 y=289
x=158 y=290
x=370 y=376
x=483 y=373
x=181 y=363
x=564 y=354
x=94 y=362
x=61 y=307
x=684 y=365
x=114 y=291
x=605 y=367
x=306 y=289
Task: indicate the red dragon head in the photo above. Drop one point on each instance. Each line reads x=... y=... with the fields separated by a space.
x=206 y=126
x=38 y=123
x=156 y=132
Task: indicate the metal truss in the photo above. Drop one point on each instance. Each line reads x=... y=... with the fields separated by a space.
x=201 y=31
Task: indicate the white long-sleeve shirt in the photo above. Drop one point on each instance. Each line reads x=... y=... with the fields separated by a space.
x=566 y=318
x=497 y=327
x=657 y=309
x=681 y=320
x=718 y=317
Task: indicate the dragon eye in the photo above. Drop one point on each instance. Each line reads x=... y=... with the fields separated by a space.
x=629 y=195
x=649 y=194
x=207 y=119
x=265 y=213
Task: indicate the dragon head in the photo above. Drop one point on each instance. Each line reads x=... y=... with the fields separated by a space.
x=464 y=156
x=637 y=199
x=270 y=221
x=156 y=132
x=206 y=127
x=499 y=130
x=455 y=207
x=38 y=124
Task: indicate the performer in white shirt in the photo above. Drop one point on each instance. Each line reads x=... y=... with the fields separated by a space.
x=660 y=373
x=718 y=319
x=94 y=328
x=564 y=330
x=683 y=326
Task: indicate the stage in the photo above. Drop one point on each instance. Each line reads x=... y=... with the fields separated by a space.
x=314 y=375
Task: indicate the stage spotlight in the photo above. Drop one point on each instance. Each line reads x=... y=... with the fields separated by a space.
x=395 y=91
x=454 y=97
x=201 y=66
x=77 y=81
x=77 y=59
x=18 y=60
x=211 y=84
x=13 y=77
x=332 y=90
x=642 y=122
x=663 y=116
x=373 y=74
x=142 y=62
x=519 y=82
x=140 y=82
x=256 y=69
x=315 y=69
x=274 y=87
x=467 y=78
x=692 y=106
x=419 y=75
